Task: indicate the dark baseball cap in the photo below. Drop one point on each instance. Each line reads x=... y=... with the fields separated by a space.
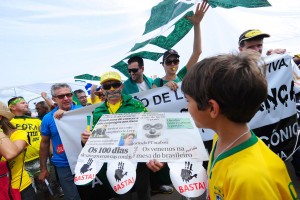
x=168 y=53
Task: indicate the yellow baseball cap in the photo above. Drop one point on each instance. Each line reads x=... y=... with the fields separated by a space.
x=110 y=76
x=252 y=33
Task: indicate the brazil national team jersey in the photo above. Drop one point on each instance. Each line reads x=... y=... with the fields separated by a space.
x=249 y=171
x=32 y=126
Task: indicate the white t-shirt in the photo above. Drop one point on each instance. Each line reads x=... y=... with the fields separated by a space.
x=142 y=86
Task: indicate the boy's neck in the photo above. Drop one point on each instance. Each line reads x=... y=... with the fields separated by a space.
x=231 y=136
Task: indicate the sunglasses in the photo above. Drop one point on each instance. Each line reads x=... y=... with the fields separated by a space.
x=169 y=62
x=134 y=70
x=114 y=85
x=62 y=96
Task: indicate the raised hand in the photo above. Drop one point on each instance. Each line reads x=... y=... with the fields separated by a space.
x=199 y=13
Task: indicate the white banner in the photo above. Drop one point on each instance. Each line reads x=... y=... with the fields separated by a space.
x=141 y=137
x=70 y=127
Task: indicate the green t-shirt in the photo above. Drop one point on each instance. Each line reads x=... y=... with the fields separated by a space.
x=179 y=77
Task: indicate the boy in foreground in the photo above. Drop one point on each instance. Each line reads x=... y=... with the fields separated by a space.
x=224 y=92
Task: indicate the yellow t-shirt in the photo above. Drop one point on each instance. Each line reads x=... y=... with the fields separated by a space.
x=89 y=100
x=32 y=127
x=17 y=164
x=113 y=108
x=96 y=100
x=249 y=171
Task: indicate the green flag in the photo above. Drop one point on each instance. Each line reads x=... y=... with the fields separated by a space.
x=164 y=12
x=182 y=27
x=241 y=3
x=122 y=67
x=87 y=77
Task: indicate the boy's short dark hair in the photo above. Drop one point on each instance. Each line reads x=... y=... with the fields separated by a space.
x=234 y=81
x=137 y=59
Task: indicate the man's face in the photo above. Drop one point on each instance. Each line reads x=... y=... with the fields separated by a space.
x=256 y=45
x=41 y=110
x=82 y=98
x=136 y=73
x=63 y=98
x=171 y=64
x=20 y=107
x=112 y=90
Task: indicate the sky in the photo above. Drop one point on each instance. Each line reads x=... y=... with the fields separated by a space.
x=53 y=41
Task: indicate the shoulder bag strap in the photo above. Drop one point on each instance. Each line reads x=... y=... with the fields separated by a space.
x=22 y=168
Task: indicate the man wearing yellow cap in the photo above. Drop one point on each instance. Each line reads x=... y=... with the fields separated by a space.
x=253 y=39
x=116 y=102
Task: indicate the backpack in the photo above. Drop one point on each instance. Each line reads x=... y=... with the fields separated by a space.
x=6 y=191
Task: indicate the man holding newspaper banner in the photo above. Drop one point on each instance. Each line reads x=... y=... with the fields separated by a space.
x=120 y=103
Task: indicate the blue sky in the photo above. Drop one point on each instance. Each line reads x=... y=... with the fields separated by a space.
x=51 y=40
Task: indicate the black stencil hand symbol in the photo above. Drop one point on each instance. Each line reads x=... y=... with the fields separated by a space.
x=186 y=173
x=119 y=172
x=86 y=167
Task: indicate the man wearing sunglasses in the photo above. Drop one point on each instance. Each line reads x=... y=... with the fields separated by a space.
x=116 y=102
x=62 y=96
x=171 y=60
x=137 y=81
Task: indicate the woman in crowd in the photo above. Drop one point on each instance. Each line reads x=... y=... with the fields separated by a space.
x=13 y=145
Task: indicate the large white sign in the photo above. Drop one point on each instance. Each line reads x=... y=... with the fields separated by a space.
x=145 y=136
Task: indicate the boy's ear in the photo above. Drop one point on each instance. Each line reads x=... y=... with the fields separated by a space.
x=214 y=109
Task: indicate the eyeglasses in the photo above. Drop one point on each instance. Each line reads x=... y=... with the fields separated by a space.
x=62 y=96
x=114 y=85
x=134 y=70
x=169 y=62
x=82 y=97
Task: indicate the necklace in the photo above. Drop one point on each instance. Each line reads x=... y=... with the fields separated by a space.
x=230 y=145
x=214 y=162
